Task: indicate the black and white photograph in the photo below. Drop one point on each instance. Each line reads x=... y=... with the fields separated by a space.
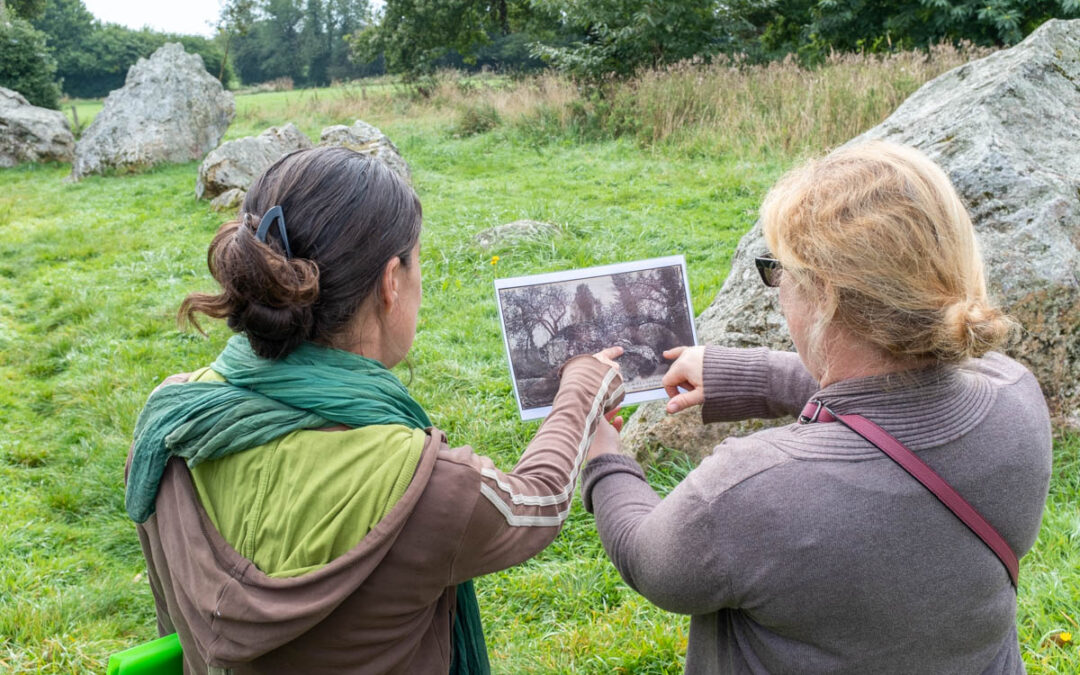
x=643 y=307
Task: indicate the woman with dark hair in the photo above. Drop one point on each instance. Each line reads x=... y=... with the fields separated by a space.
x=297 y=509
x=880 y=533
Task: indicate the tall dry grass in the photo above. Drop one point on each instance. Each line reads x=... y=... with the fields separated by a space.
x=729 y=106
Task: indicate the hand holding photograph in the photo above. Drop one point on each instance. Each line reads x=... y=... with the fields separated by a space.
x=643 y=307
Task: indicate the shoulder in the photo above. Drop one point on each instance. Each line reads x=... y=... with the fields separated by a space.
x=998 y=368
x=738 y=460
x=1015 y=386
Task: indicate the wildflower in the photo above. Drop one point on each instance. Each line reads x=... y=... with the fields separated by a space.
x=1065 y=636
x=494 y=259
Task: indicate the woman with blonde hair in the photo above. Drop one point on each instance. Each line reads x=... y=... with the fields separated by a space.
x=879 y=533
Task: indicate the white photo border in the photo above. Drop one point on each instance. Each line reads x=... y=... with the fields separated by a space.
x=577 y=275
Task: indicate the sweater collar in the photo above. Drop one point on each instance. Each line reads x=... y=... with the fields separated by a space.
x=922 y=408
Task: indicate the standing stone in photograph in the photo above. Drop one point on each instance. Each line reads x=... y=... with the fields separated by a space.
x=170 y=110
x=32 y=134
x=235 y=165
x=367 y=140
x=1006 y=129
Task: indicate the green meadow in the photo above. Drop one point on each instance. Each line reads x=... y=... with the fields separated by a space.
x=91 y=275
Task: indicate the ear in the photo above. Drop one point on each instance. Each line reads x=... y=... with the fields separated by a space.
x=388 y=284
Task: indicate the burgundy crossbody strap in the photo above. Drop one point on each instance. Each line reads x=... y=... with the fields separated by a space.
x=910 y=462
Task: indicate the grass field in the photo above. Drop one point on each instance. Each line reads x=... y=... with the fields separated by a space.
x=90 y=278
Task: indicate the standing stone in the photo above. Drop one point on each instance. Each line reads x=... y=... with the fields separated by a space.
x=236 y=164
x=368 y=140
x=170 y=110
x=1006 y=129
x=230 y=200
x=32 y=134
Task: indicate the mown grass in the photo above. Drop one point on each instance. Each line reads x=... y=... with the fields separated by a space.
x=91 y=274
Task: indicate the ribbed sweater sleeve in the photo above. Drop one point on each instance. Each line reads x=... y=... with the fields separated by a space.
x=753 y=383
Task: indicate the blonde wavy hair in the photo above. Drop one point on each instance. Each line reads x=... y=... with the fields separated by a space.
x=877 y=237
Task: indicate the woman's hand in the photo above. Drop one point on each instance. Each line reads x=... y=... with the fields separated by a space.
x=685 y=373
x=605 y=356
x=606 y=440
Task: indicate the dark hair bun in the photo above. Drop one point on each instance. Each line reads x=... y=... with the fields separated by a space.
x=266 y=296
x=348 y=215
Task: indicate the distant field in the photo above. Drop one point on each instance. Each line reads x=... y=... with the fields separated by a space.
x=91 y=275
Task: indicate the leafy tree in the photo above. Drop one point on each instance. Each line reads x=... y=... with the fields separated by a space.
x=24 y=9
x=236 y=18
x=413 y=35
x=624 y=36
x=344 y=18
x=27 y=66
x=861 y=24
x=304 y=40
x=315 y=44
x=418 y=36
x=813 y=28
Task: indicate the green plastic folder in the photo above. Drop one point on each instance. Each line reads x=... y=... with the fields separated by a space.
x=159 y=657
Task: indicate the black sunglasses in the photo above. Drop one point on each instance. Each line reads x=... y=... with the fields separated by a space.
x=770 y=270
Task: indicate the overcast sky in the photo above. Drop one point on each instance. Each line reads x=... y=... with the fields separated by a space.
x=189 y=17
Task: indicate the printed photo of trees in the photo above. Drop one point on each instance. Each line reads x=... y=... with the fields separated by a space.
x=643 y=311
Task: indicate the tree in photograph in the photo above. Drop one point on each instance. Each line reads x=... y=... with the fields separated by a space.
x=586 y=307
x=531 y=308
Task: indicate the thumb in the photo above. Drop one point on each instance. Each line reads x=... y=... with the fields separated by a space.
x=685 y=400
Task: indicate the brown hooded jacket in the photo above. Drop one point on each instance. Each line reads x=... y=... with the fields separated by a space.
x=387 y=605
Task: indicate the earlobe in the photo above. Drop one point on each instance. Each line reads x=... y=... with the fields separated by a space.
x=390 y=284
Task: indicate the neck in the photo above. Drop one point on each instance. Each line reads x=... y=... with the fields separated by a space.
x=366 y=337
x=847 y=358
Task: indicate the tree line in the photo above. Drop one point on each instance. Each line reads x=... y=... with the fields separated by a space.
x=600 y=39
x=56 y=46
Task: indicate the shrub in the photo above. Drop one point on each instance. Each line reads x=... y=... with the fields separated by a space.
x=27 y=67
x=476 y=119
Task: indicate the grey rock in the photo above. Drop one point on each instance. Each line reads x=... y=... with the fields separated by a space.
x=515 y=232
x=230 y=200
x=236 y=164
x=32 y=134
x=170 y=110
x=366 y=139
x=1006 y=129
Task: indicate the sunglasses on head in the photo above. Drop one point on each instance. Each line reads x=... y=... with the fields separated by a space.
x=769 y=269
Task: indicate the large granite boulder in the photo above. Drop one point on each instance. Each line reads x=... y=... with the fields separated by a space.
x=170 y=110
x=368 y=140
x=235 y=165
x=1006 y=129
x=32 y=134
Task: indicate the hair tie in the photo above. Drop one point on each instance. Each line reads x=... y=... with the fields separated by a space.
x=273 y=214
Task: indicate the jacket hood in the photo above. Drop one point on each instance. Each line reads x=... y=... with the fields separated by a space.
x=233 y=612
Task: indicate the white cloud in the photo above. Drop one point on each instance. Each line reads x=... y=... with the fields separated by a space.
x=190 y=17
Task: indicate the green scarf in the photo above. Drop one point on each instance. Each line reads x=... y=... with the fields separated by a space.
x=264 y=399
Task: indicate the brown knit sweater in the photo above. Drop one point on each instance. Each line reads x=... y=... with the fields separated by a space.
x=804 y=549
